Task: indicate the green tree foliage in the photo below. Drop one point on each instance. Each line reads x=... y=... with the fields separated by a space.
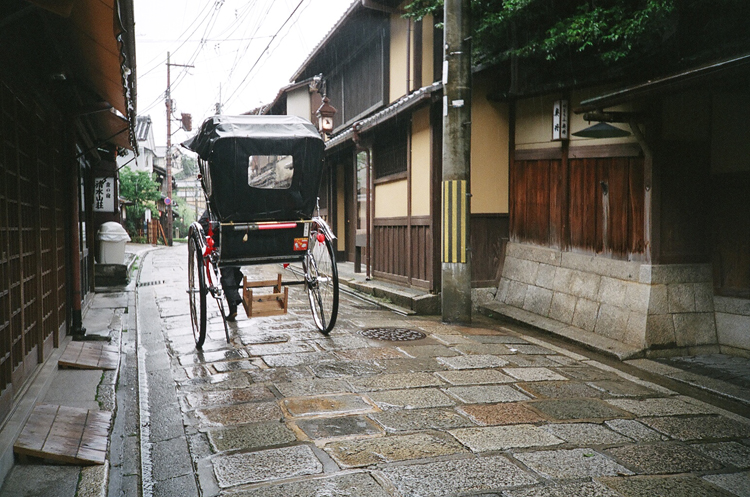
x=139 y=188
x=598 y=32
x=189 y=168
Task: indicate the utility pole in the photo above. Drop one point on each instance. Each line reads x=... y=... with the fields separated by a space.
x=456 y=253
x=169 y=150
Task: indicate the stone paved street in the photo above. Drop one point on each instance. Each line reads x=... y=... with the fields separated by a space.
x=480 y=410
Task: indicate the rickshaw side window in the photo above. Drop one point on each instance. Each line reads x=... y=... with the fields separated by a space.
x=270 y=172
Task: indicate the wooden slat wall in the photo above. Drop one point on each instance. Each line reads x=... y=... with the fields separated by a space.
x=604 y=199
x=391 y=252
x=730 y=233
x=489 y=234
x=32 y=238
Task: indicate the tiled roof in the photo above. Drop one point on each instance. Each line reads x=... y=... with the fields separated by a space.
x=404 y=103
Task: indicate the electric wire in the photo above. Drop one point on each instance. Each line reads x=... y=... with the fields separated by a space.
x=242 y=83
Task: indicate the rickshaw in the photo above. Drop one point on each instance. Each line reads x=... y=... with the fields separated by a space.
x=261 y=176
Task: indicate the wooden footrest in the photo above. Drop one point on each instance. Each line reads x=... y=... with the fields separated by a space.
x=264 y=304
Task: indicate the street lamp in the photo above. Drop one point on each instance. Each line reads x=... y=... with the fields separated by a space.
x=325 y=114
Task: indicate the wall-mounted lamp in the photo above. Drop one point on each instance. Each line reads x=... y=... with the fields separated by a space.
x=602 y=130
x=325 y=115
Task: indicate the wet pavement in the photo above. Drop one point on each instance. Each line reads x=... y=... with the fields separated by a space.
x=480 y=410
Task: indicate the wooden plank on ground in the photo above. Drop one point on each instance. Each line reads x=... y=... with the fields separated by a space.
x=65 y=434
x=89 y=355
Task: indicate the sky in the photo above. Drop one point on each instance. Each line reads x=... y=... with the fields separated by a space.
x=243 y=52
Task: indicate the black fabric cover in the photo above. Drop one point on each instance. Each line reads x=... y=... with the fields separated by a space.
x=226 y=143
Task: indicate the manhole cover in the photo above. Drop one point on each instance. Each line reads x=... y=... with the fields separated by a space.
x=393 y=334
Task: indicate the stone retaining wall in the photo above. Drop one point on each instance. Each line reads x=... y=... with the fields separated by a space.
x=733 y=324
x=648 y=306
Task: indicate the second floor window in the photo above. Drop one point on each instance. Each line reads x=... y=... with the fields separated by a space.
x=358 y=86
x=389 y=152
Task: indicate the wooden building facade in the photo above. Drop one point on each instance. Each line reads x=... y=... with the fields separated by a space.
x=382 y=73
x=61 y=80
x=642 y=239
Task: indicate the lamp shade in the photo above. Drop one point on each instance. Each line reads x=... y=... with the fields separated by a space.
x=602 y=130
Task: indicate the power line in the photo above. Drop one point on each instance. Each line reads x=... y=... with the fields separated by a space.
x=264 y=51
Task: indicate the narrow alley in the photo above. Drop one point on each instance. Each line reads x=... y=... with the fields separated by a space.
x=443 y=410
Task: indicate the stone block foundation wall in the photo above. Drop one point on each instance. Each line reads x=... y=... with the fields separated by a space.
x=643 y=305
x=733 y=325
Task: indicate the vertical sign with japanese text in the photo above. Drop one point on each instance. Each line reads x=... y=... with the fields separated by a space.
x=104 y=195
x=560 y=120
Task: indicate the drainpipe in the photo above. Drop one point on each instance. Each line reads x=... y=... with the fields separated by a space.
x=368 y=207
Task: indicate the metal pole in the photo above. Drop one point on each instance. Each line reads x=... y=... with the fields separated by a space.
x=456 y=253
x=169 y=156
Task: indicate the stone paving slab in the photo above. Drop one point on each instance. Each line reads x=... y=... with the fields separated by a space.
x=571 y=463
x=345 y=426
x=526 y=361
x=574 y=489
x=297 y=359
x=347 y=485
x=522 y=348
x=493 y=438
x=228 y=367
x=577 y=409
x=737 y=484
x=473 y=362
x=427 y=351
x=659 y=407
x=451 y=478
x=311 y=387
x=281 y=374
x=395 y=382
x=337 y=369
x=587 y=434
x=623 y=389
x=727 y=453
x=635 y=430
x=418 y=398
x=498 y=339
x=279 y=348
x=534 y=374
x=484 y=349
x=369 y=353
x=366 y=452
x=418 y=365
x=500 y=414
x=265 y=465
x=252 y=393
x=250 y=437
x=329 y=405
x=587 y=373
x=253 y=412
x=664 y=458
x=668 y=486
x=562 y=389
x=475 y=377
x=487 y=394
x=420 y=419
x=698 y=427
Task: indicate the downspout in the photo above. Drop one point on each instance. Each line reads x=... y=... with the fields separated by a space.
x=408 y=56
x=368 y=207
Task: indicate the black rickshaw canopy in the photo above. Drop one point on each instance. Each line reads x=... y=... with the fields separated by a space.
x=230 y=149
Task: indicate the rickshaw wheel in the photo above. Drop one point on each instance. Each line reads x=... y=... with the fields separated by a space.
x=322 y=279
x=197 y=290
